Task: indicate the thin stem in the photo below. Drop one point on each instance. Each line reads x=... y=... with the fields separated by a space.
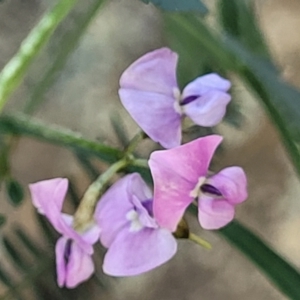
x=198 y=240
x=15 y=69
x=84 y=214
x=134 y=142
x=19 y=124
x=140 y=162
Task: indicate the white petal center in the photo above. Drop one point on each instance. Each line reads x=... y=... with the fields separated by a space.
x=136 y=224
x=196 y=191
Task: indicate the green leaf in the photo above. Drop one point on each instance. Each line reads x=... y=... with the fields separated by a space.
x=280 y=100
x=14 y=191
x=85 y=162
x=119 y=129
x=67 y=43
x=48 y=231
x=280 y=272
x=28 y=242
x=8 y=280
x=239 y=20
x=72 y=192
x=13 y=72
x=2 y=220
x=15 y=254
x=180 y=5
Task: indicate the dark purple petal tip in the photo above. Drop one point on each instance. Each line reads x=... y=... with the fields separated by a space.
x=209 y=189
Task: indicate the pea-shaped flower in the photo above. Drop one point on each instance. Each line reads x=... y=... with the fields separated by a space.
x=135 y=242
x=150 y=93
x=73 y=250
x=181 y=175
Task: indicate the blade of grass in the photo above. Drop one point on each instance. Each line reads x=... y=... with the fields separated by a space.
x=67 y=45
x=13 y=72
x=282 y=274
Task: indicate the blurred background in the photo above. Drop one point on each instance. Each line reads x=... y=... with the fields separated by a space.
x=83 y=97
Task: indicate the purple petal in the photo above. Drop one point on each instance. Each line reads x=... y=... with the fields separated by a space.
x=48 y=197
x=143 y=213
x=91 y=235
x=114 y=205
x=214 y=213
x=209 y=109
x=54 y=189
x=155 y=114
x=135 y=253
x=154 y=72
x=73 y=265
x=138 y=187
x=80 y=267
x=232 y=183
x=204 y=84
x=175 y=174
x=60 y=261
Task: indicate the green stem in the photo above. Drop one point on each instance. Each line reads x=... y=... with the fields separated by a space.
x=15 y=69
x=19 y=124
x=199 y=241
x=84 y=214
x=134 y=142
x=140 y=162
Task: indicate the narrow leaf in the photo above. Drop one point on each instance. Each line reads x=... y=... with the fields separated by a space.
x=15 y=69
x=84 y=160
x=67 y=44
x=239 y=20
x=28 y=242
x=14 y=191
x=280 y=272
x=279 y=99
x=180 y=5
x=15 y=254
x=2 y=220
x=119 y=129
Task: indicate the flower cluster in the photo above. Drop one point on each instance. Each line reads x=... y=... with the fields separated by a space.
x=134 y=224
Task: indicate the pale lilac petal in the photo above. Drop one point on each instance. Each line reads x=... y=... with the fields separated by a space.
x=48 y=197
x=155 y=114
x=49 y=194
x=135 y=253
x=209 y=109
x=137 y=187
x=154 y=72
x=91 y=235
x=204 y=84
x=175 y=174
x=80 y=266
x=214 y=213
x=60 y=261
x=144 y=216
x=232 y=183
x=114 y=205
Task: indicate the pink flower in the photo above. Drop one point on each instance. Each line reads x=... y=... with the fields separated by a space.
x=73 y=250
x=135 y=242
x=150 y=93
x=181 y=174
